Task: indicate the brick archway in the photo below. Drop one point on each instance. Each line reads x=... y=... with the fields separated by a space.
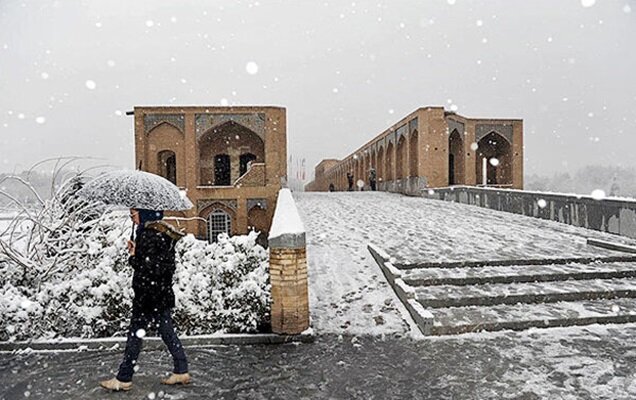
x=455 y=159
x=389 y=163
x=494 y=146
x=380 y=165
x=232 y=139
x=400 y=159
x=413 y=154
x=159 y=150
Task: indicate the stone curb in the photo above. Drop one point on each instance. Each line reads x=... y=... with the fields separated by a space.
x=155 y=343
x=422 y=318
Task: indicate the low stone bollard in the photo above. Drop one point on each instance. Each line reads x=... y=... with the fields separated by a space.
x=288 y=268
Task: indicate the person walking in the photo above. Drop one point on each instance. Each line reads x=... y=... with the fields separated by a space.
x=152 y=256
x=350 y=181
x=372 y=178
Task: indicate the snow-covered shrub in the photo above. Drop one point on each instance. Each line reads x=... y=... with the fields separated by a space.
x=65 y=274
x=221 y=285
x=19 y=316
x=72 y=279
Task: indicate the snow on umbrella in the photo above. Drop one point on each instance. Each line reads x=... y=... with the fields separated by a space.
x=136 y=189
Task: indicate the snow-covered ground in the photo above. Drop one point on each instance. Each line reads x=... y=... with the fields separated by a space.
x=348 y=292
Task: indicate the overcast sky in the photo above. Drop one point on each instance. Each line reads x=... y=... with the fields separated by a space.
x=345 y=71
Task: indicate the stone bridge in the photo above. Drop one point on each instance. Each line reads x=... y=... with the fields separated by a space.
x=460 y=268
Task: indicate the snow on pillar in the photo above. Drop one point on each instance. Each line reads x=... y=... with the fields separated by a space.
x=288 y=268
x=484 y=171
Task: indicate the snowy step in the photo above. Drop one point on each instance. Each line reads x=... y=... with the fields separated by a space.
x=536 y=292
x=517 y=274
x=513 y=262
x=456 y=320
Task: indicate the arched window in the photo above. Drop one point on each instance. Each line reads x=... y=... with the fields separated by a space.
x=167 y=161
x=222 y=172
x=218 y=222
x=244 y=161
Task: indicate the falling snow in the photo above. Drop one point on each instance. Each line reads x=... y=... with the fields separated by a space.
x=251 y=68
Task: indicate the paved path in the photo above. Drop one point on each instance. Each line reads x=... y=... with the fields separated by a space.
x=415 y=229
x=574 y=363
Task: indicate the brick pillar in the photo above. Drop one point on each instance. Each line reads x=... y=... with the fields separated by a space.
x=288 y=268
x=290 y=300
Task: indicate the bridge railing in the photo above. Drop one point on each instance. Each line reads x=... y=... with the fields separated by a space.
x=288 y=268
x=613 y=215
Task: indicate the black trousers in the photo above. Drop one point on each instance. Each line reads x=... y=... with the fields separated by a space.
x=141 y=321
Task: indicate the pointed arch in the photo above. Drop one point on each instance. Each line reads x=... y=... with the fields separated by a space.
x=229 y=139
x=413 y=154
x=167 y=165
x=492 y=147
x=400 y=158
x=389 y=162
x=455 y=158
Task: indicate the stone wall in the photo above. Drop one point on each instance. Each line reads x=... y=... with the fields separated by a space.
x=615 y=216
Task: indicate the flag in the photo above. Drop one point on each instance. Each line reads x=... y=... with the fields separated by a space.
x=302 y=172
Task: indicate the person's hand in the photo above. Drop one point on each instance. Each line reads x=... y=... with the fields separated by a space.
x=131 y=247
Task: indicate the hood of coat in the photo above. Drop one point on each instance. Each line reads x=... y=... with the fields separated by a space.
x=164 y=227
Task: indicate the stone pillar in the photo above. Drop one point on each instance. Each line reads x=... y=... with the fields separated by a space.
x=288 y=268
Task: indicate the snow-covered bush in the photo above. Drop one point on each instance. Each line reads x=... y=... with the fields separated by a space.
x=221 y=285
x=65 y=274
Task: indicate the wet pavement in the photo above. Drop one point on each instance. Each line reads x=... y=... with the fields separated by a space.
x=595 y=362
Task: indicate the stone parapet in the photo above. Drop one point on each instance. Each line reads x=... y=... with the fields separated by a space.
x=613 y=215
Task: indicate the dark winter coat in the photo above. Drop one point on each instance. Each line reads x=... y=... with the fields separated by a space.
x=154 y=265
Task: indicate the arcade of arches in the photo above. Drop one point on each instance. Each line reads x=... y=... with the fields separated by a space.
x=431 y=148
x=230 y=160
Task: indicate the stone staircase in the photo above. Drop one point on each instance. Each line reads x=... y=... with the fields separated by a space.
x=461 y=297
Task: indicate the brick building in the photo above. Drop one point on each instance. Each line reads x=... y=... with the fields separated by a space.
x=432 y=148
x=232 y=161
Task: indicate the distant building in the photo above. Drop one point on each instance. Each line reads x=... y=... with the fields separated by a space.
x=230 y=160
x=432 y=148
